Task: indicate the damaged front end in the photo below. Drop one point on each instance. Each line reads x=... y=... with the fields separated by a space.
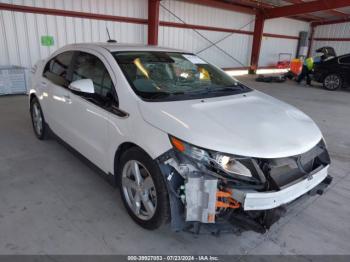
x=217 y=189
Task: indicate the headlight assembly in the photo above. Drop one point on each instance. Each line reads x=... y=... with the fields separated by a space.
x=232 y=165
x=227 y=163
x=189 y=150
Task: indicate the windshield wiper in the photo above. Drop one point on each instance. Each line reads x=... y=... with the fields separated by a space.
x=234 y=87
x=218 y=89
x=227 y=88
x=158 y=95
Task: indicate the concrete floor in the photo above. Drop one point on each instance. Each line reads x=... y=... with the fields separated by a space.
x=53 y=203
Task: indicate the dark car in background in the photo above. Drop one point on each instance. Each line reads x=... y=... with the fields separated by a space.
x=333 y=71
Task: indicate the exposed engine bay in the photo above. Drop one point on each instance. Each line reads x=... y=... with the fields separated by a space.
x=208 y=187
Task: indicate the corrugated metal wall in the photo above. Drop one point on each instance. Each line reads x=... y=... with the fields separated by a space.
x=333 y=31
x=237 y=45
x=271 y=46
x=20 y=33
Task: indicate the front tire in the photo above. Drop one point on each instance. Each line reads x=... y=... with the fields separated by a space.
x=143 y=189
x=332 y=82
x=38 y=120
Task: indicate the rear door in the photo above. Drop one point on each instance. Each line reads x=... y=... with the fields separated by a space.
x=344 y=67
x=55 y=77
x=89 y=112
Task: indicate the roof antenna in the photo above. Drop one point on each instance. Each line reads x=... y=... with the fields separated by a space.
x=109 y=37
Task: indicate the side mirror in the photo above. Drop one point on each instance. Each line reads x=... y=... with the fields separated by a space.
x=83 y=86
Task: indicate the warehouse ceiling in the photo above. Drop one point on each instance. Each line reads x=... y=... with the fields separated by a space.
x=321 y=16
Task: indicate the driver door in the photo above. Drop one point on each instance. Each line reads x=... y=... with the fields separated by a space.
x=89 y=114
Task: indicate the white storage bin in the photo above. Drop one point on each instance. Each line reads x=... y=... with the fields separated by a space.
x=14 y=80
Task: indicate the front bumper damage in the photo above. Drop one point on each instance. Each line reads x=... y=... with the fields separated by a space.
x=200 y=198
x=267 y=200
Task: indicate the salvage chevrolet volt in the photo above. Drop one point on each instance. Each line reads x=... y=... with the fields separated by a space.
x=186 y=143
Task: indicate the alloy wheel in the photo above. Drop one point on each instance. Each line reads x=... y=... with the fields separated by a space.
x=139 y=190
x=37 y=119
x=332 y=82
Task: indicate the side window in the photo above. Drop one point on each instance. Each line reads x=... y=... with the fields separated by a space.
x=345 y=60
x=89 y=66
x=56 y=69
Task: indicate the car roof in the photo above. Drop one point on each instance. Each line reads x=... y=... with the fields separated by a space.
x=115 y=47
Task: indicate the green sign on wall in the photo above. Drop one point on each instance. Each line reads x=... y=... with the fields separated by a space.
x=47 y=40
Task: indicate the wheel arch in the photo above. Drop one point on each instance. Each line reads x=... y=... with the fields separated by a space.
x=121 y=149
x=32 y=96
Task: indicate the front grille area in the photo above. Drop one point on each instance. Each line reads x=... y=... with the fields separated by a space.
x=283 y=171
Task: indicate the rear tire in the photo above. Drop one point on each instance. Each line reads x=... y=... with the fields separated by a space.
x=332 y=82
x=38 y=120
x=143 y=189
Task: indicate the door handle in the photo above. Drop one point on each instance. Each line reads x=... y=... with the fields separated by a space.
x=43 y=83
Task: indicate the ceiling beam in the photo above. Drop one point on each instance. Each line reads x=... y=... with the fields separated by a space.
x=338 y=13
x=222 y=5
x=253 y=3
x=331 y=12
x=245 y=6
x=69 y=13
x=329 y=22
x=304 y=8
x=257 y=4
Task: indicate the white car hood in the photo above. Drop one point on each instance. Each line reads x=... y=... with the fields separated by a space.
x=251 y=124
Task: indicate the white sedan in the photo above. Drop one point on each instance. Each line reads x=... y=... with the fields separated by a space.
x=184 y=141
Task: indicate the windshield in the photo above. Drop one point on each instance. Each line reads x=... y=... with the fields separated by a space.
x=175 y=76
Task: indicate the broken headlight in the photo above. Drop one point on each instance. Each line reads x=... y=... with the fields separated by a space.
x=226 y=163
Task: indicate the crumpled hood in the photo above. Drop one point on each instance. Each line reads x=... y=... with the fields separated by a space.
x=251 y=124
